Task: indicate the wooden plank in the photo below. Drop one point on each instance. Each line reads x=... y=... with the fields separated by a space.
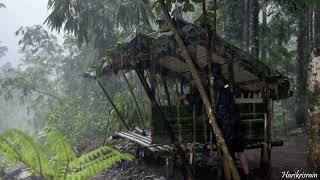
x=133 y=139
x=134 y=135
x=248 y=100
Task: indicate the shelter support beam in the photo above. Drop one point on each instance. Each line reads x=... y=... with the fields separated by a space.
x=166 y=90
x=114 y=106
x=134 y=98
x=269 y=129
x=265 y=161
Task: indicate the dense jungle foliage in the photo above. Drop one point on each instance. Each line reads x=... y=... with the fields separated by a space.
x=48 y=90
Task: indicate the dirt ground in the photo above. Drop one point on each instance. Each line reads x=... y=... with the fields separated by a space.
x=289 y=157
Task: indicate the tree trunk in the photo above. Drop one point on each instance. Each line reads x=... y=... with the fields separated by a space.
x=209 y=108
x=311 y=28
x=301 y=65
x=317 y=29
x=245 y=23
x=313 y=123
x=254 y=28
x=264 y=31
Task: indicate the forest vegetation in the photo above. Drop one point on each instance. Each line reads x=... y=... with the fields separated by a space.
x=50 y=108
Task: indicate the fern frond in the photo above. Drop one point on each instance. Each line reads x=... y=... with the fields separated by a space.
x=64 y=165
x=61 y=151
x=95 y=162
x=22 y=147
x=8 y=150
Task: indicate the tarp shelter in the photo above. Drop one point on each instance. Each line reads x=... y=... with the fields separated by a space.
x=161 y=51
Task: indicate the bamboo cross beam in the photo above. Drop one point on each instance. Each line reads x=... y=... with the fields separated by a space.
x=114 y=106
x=209 y=108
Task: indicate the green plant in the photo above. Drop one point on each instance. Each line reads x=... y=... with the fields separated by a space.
x=56 y=159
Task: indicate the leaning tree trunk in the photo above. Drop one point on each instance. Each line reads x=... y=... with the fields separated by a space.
x=254 y=28
x=313 y=123
x=301 y=65
x=195 y=74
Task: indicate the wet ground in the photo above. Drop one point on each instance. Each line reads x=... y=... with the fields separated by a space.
x=290 y=157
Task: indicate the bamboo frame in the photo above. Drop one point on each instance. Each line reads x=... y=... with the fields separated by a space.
x=156 y=106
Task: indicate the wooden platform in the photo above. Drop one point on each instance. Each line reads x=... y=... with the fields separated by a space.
x=143 y=138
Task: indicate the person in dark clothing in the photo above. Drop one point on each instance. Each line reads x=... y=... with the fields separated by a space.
x=228 y=119
x=192 y=98
x=227 y=115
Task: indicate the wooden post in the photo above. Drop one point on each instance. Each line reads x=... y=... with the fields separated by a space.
x=231 y=75
x=166 y=90
x=209 y=108
x=269 y=129
x=181 y=87
x=134 y=98
x=114 y=106
x=194 y=122
x=265 y=162
x=173 y=138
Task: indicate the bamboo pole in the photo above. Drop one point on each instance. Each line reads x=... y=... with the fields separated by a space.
x=209 y=108
x=107 y=129
x=134 y=99
x=269 y=130
x=114 y=106
x=166 y=90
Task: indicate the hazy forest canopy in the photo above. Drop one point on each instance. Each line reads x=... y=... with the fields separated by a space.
x=52 y=88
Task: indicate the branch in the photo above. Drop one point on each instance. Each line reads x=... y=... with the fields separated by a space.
x=46 y=93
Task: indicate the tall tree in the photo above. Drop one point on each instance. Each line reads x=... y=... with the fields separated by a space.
x=317 y=29
x=245 y=23
x=303 y=47
x=264 y=30
x=229 y=13
x=254 y=28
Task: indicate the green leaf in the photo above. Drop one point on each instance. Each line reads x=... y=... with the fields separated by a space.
x=197 y=1
x=188 y=7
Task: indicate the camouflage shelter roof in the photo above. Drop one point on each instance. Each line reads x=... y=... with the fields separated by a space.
x=162 y=52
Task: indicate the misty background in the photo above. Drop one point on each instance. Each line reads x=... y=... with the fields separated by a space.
x=18 y=13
